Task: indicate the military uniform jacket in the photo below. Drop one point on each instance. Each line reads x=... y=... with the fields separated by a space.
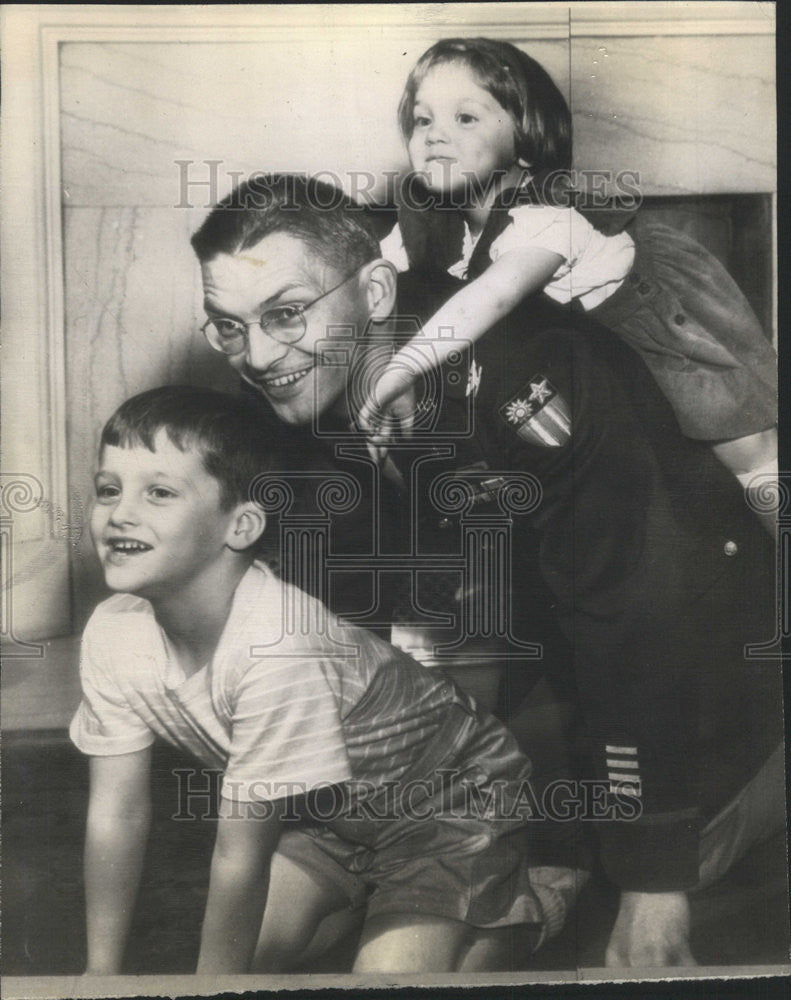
x=658 y=571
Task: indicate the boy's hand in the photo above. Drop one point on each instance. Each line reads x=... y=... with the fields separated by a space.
x=652 y=929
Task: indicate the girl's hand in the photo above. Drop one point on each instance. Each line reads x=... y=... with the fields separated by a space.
x=389 y=406
x=377 y=426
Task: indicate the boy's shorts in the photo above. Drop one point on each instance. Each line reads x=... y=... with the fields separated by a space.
x=450 y=854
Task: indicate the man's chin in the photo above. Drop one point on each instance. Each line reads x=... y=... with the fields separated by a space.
x=311 y=404
x=303 y=410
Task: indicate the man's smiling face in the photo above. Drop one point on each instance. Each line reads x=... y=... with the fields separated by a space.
x=279 y=271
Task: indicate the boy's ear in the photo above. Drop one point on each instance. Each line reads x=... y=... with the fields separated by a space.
x=246 y=527
x=379 y=279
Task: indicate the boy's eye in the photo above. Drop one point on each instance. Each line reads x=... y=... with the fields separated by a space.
x=107 y=492
x=421 y=121
x=466 y=119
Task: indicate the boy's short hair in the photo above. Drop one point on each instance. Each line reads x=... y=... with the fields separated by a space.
x=227 y=431
x=335 y=226
x=517 y=82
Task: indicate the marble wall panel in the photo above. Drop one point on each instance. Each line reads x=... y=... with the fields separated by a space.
x=129 y=112
x=692 y=115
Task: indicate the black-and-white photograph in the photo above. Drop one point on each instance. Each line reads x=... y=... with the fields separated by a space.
x=393 y=535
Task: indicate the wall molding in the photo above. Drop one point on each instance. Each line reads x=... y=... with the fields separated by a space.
x=539 y=20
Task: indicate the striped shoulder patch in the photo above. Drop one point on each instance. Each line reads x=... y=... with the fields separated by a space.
x=539 y=414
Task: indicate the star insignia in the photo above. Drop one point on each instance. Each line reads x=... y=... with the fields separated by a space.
x=539 y=414
x=540 y=391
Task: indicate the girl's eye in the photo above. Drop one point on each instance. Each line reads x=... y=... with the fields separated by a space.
x=421 y=121
x=161 y=493
x=466 y=119
x=107 y=492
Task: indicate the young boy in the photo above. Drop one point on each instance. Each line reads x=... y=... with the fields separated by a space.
x=412 y=797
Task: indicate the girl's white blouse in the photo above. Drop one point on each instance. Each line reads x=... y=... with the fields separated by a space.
x=593 y=267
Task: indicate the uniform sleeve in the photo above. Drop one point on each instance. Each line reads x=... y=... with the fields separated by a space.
x=286 y=736
x=392 y=248
x=613 y=555
x=105 y=724
x=560 y=230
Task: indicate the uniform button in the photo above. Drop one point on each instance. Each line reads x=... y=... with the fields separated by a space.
x=679 y=318
x=730 y=548
x=644 y=287
x=445 y=522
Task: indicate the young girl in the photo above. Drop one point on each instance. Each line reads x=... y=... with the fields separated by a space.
x=489 y=138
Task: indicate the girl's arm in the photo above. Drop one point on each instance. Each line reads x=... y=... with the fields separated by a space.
x=469 y=314
x=119 y=817
x=247 y=835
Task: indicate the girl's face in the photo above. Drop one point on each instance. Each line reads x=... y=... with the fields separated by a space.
x=461 y=133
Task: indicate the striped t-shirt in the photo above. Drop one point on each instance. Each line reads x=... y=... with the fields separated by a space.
x=292 y=699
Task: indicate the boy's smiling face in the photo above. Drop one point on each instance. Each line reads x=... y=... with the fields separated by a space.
x=157 y=522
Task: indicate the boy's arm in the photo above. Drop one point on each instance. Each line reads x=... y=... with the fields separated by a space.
x=247 y=835
x=473 y=310
x=119 y=817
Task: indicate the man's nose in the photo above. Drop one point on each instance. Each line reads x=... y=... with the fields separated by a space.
x=262 y=350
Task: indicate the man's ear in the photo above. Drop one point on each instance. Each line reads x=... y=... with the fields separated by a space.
x=379 y=281
x=246 y=527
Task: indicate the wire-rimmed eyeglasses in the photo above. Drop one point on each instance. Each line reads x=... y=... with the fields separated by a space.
x=286 y=324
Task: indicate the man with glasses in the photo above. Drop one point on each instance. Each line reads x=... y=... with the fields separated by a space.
x=657 y=572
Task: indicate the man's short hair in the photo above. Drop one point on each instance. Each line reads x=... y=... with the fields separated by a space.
x=319 y=214
x=227 y=431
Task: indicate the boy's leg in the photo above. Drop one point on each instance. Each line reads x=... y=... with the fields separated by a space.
x=396 y=942
x=298 y=901
x=501 y=949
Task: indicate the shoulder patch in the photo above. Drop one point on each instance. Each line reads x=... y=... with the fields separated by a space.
x=539 y=414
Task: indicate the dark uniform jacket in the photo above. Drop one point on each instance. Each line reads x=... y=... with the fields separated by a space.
x=658 y=571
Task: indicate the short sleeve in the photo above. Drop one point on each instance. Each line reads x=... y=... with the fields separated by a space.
x=392 y=248
x=105 y=724
x=560 y=230
x=286 y=735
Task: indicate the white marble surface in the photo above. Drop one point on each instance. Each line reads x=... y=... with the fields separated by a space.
x=691 y=115
x=130 y=112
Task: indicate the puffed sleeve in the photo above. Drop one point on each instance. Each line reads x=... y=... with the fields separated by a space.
x=105 y=724
x=392 y=248
x=286 y=736
x=560 y=230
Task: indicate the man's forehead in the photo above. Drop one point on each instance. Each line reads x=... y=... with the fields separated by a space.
x=276 y=259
